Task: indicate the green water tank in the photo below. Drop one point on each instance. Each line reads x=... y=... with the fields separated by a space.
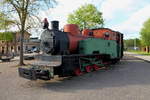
x=98 y=46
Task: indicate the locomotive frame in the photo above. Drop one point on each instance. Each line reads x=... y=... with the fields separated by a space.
x=68 y=53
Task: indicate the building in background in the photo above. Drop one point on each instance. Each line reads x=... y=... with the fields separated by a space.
x=13 y=46
x=33 y=45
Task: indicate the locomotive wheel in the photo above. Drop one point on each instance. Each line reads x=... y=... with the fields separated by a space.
x=88 y=68
x=78 y=72
x=96 y=67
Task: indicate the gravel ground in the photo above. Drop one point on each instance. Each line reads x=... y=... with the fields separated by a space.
x=127 y=80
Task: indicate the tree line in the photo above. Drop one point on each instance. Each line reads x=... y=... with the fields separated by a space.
x=143 y=41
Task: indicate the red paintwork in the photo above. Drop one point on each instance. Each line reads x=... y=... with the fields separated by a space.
x=95 y=67
x=88 y=68
x=72 y=29
x=73 y=42
x=74 y=36
x=100 y=33
x=86 y=32
x=78 y=72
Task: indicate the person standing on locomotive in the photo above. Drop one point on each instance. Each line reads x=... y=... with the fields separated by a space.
x=46 y=23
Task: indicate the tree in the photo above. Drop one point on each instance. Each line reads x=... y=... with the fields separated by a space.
x=132 y=43
x=87 y=16
x=7 y=37
x=5 y=22
x=25 y=9
x=145 y=33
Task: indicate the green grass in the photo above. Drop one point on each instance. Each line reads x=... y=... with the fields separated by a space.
x=140 y=52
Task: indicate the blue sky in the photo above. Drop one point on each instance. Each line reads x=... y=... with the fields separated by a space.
x=126 y=16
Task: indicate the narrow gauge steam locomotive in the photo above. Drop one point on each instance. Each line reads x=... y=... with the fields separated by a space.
x=71 y=52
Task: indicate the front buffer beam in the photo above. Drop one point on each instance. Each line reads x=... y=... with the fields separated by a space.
x=34 y=74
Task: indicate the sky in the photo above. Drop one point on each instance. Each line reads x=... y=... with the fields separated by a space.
x=125 y=16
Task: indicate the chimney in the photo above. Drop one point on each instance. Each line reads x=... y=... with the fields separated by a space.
x=55 y=25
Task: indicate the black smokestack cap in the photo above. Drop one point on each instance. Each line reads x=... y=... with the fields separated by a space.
x=55 y=25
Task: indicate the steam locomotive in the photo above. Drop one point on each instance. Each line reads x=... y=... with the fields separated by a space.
x=70 y=52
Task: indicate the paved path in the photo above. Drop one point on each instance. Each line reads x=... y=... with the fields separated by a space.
x=127 y=80
x=144 y=57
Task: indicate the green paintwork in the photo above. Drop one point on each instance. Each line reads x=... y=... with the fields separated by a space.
x=89 y=62
x=97 y=45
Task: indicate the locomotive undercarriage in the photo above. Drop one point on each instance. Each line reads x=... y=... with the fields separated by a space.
x=67 y=65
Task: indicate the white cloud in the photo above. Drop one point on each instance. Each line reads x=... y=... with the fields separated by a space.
x=132 y=26
x=61 y=11
x=110 y=8
x=65 y=7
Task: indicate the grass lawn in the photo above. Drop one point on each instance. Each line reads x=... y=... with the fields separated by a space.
x=140 y=52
